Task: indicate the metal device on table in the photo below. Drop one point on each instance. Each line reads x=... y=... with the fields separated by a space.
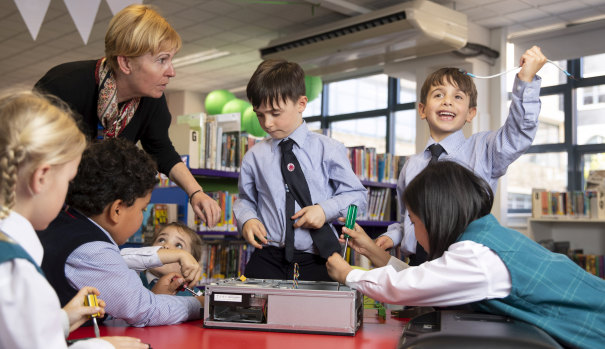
x=275 y=305
x=92 y=301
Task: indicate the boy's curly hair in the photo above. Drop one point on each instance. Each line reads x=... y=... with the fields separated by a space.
x=113 y=169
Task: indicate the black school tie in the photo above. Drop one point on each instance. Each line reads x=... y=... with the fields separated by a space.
x=436 y=150
x=298 y=189
x=421 y=256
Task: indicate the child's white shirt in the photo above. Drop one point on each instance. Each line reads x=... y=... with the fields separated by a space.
x=467 y=272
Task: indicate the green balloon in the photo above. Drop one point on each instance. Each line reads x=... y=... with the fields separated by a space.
x=313 y=87
x=235 y=105
x=216 y=100
x=250 y=123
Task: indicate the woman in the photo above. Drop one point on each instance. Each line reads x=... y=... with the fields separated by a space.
x=122 y=94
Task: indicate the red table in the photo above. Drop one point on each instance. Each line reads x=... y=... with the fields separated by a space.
x=374 y=333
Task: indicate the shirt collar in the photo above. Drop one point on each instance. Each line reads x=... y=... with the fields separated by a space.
x=21 y=230
x=299 y=135
x=102 y=229
x=450 y=143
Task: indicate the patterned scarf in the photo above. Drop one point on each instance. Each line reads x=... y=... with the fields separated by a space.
x=113 y=118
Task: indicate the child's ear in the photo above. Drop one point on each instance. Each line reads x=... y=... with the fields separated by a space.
x=421 y=110
x=301 y=104
x=40 y=179
x=472 y=112
x=114 y=214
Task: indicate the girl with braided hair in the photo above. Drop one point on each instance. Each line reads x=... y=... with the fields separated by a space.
x=40 y=149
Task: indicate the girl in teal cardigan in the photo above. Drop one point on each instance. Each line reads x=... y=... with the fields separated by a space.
x=474 y=260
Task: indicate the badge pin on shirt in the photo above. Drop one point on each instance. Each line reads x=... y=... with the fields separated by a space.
x=290 y=167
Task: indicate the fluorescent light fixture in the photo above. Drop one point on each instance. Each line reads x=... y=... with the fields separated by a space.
x=198 y=57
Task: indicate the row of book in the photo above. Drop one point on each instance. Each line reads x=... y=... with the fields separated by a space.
x=211 y=141
x=379 y=205
x=154 y=216
x=223 y=259
x=594 y=264
x=569 y=204
x=227 y=221
x=370 y=166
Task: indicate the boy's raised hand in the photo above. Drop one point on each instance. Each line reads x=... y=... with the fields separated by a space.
x=310 y=217
x=531 y=62
x=254 y=228
x=77 y=312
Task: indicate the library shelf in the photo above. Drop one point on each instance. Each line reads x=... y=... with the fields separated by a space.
x=204 y=172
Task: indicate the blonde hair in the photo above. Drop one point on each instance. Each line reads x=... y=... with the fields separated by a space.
x=136 y=31
x=196 y=241
x=35 y=131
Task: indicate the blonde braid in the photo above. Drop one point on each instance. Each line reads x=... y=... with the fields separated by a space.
x=8 y=178
x=36 y=131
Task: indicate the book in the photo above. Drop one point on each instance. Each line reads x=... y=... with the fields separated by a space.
x=186 y=141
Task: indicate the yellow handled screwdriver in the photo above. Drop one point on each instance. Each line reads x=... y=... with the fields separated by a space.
x=91 y=301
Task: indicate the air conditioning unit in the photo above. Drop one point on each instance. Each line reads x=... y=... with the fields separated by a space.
x=408 y=30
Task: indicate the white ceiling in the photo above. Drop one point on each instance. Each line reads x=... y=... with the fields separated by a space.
x=240 y=27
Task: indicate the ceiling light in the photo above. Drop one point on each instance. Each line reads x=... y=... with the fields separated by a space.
x=198 y=57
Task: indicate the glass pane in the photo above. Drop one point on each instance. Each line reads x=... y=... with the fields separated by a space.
x=369 y=132
x=590 y=110
x=314 y=126
x=544 y=170
x=551 y=126
x=405 y=132
x=592 y=162
x=355 y=95
x=593 y=66
x=407 y=89
x=313 y=107
x=551 y=75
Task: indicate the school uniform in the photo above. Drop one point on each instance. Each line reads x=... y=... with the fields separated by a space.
x=98 y=263
x=30 y=313
x=262 y=195
x=500 y=271
x=487 y=154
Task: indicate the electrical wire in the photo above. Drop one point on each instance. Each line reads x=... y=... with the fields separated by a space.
x=513 y=69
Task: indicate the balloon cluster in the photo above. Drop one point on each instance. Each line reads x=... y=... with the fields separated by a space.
x=225 y=102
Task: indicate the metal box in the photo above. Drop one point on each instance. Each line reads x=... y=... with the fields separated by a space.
x=275 y=305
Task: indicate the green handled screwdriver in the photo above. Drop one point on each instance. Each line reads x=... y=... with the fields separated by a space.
x=349 y=223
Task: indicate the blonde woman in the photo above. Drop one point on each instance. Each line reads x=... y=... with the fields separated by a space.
x=122 y=94
x=40 y=149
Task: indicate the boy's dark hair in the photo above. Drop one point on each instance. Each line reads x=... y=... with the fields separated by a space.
x=447 y=197
x=196 y=241
x=113 y=169
x=276 y=80
x=455 y=77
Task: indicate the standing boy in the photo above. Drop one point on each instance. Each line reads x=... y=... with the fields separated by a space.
x=105 y=202
x=448 y=100
x=292 y=184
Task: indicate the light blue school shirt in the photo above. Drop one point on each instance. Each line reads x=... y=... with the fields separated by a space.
x=488 y=154
x=332 y=183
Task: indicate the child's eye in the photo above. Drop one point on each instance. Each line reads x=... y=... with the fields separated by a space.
x=161 y=240
x=178 y=245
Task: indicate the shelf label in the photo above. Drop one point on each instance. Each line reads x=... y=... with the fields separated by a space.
x=235 y=298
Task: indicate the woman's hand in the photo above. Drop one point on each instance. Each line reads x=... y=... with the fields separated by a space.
x=77 y=312
x=338 y=268
x=206 y=208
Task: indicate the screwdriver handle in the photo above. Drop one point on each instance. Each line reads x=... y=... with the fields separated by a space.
x=92 y=301
x=351 y=217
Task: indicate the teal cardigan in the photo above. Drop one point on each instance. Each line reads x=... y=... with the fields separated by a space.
x=548 y=289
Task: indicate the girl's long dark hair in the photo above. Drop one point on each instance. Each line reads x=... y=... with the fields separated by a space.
x=447 y=197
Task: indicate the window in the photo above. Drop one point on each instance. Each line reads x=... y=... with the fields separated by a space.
x=360 y=112
x=570 y=140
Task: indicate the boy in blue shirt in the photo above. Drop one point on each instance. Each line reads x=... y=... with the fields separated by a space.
x=269 y=212
x=448 y=100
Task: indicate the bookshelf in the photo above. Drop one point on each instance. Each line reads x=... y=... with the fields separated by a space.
x=587 y=234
